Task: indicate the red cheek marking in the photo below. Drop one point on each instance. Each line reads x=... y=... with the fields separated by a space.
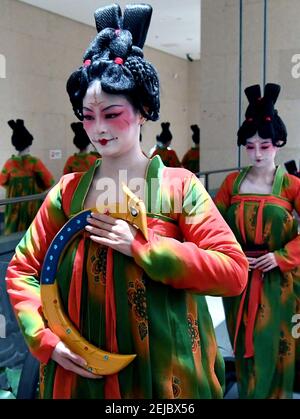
x=87 y=124
x=122 y=122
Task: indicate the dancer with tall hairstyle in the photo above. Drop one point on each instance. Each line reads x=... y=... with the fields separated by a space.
x=163 y=149
x=128 y=291
x=258 y=204
x=191 y=159
x=82 y=161
x=21 y=175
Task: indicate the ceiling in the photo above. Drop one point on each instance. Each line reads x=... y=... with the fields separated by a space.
x=174 y=29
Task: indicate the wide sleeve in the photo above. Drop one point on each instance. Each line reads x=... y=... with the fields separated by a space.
x=5 y=174
x=44 y=176
x=23 y=274
x=222 y=198
x=173 y=159
x=209 y=261
x=288 y=257
x=185 y=160
x=68 y=166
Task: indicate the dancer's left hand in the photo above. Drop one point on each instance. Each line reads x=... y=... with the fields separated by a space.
x=112 y=232
x=266 y=262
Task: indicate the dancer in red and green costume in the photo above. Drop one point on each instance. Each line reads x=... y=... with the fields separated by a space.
x=258 y=204
x=126 y=294
x=82 y=161
x=190 y=160
x=163 y=150
x=23 y=174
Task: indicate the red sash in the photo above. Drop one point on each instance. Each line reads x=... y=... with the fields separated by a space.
x=257 y=275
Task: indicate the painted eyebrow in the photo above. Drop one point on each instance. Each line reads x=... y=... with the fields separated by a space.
x=105 y=109
x=262 y=142
x=87 y=109
x=112 y=106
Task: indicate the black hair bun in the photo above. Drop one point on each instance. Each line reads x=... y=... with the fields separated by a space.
x=166 y=135
x=21 y=137
x=115 y=57
x=261 y=117
x=196 y=133
x=81 y=139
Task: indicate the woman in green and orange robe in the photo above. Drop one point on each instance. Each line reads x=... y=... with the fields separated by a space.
x=162 y=148
x=83 y=160
x=258 y=204
x=168 y=156
x=191 y=158
x=22 y=175
x=161 y=313
x=80 y=162
x=125 y=293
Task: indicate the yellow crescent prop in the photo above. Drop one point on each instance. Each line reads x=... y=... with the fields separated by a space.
x=99 y=362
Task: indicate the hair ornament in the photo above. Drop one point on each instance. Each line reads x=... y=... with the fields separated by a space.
x=119 y=60
x=87 y=63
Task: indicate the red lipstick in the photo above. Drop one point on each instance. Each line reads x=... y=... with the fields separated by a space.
x=103 y=142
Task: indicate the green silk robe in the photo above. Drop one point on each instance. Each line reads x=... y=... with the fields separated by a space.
x=159 y=307
x=266 y=357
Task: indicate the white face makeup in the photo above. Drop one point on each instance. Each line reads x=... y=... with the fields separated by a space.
x=261 y=152
x=111 y=122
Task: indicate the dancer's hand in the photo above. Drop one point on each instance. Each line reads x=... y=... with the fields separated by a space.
x=112 y=232
x=252 y=263
x=266 y=262
x=70 y=361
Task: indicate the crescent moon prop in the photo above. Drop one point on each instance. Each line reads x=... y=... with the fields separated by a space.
x=98 y=361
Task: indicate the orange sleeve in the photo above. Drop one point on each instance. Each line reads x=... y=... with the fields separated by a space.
x=209 y=261
x=5 y=174
x=174 y=160
x=46 y=180
x=288 y=257
x=24 y=269
x=68 y=165
x=185 y=160
x=224 y=194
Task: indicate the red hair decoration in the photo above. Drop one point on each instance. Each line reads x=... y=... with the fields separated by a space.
x=87 y=63
x=249 y=119
x=268 y=118
x=118 y=60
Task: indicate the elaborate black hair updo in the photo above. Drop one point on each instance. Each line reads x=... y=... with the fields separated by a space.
x=81 y=139
x=21 y=137
x=261 y=117
x=165 y=135
x=196 y=133
x=115 y=57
